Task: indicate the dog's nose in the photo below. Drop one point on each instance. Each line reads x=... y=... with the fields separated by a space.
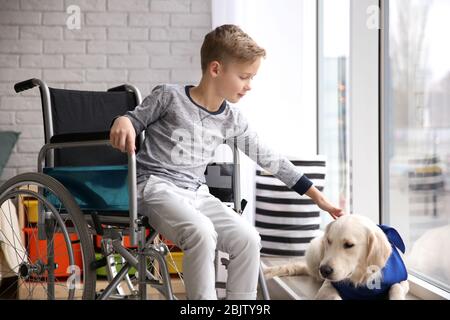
x=326 y=271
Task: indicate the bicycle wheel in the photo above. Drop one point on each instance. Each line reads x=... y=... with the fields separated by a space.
x=45 y=242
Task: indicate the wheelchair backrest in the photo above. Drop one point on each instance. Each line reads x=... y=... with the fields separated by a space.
x=74 y=112
x=218 y=176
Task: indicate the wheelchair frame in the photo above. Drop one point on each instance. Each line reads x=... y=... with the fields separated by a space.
x=112 y=239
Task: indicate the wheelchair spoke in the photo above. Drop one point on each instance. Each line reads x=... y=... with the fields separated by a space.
x=16 y=266
x=14 y=233
x=10 y=223
x=12 y=245
x=171 y=261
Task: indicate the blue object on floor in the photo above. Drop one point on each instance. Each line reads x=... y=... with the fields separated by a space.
x=8 y=140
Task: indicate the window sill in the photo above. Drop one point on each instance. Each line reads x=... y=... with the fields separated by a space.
x=426 y=291
x=289 y=288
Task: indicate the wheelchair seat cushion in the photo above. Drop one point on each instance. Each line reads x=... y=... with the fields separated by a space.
x=95 y=188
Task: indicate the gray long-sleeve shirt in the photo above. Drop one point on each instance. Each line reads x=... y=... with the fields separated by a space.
x=181 y=137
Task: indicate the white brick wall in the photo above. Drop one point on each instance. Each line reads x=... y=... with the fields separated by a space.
x=142 y=42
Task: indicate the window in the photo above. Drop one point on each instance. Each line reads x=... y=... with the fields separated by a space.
x=416 y=139
x=281 y=108
x=333 y=58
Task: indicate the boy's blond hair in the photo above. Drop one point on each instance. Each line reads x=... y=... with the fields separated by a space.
x=229 y=43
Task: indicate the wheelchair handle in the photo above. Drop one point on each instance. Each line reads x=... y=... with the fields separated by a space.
x=27 y=84
x=119 y=88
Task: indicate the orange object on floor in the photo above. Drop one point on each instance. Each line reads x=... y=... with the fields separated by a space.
x=37 y=250
x=125 y=241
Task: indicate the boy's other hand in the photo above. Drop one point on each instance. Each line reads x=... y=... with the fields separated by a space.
x=335 y=212
x=122 y=135
x=323 y=203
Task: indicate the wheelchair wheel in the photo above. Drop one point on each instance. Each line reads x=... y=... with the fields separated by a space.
x=46 y=251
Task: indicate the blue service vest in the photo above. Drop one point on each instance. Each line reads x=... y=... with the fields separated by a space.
x=393 y=272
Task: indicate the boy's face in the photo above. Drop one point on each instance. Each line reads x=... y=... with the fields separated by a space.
x=234 y=79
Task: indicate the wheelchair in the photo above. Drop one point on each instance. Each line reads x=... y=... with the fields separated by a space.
x=85 y=188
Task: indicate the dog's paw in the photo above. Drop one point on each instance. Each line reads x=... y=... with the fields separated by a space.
x=399 y=291
x=327 y=292
x=271 y=272
x=333 y=296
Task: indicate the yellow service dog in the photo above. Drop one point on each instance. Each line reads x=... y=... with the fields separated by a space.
x=355 y=259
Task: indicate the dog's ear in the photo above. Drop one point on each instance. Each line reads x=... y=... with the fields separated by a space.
x=379 y=249
x=327 y=228
x=321 y=247
x=323 y=243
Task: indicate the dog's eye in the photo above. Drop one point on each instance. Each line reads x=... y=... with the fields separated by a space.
x=329 y=241
x=348 y=245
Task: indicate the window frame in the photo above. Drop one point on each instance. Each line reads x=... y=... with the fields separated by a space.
x=364 y=99
x=320 y=84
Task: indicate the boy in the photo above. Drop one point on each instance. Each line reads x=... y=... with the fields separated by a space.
x=184 y=125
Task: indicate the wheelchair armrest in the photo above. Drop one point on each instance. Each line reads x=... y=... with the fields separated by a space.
x=62 y=141
x=79 y=137
x=88 y=136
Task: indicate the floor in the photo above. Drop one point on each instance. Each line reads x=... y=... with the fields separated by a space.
x=153 y=294
x=280 y=288
x=39 y=292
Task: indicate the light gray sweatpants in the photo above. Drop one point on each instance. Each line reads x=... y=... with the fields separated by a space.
x=198 y=223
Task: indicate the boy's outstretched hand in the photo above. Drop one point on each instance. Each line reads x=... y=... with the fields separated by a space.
x=332 y=210
x=323 y=203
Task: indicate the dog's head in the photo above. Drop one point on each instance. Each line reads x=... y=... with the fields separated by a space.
x=352 y=248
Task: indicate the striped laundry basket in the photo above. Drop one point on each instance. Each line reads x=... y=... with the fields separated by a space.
x=286 y=221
